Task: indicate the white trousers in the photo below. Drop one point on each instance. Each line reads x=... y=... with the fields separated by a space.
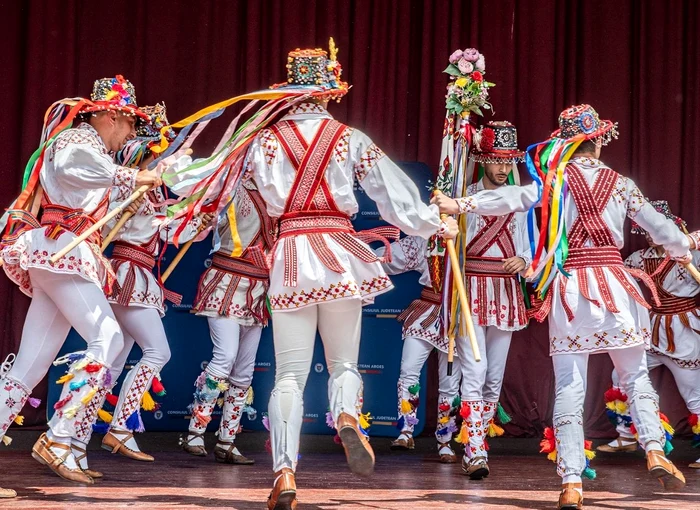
x=413 y=356
x=483 y=380
x=144 y=327
x=687 y=381
x=234 y=350
x=570 y=371
x=231 y=367
x=339 y=324
x=59 y=302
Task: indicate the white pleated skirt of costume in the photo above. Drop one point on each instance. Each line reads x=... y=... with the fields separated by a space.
x=594 y=328
x=34 y=250
x=225 y=294
x=146 y=292
x=316 y=283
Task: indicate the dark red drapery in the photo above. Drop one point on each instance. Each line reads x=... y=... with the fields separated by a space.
x=636 y=62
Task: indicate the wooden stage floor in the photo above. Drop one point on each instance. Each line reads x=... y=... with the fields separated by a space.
x=521 y=478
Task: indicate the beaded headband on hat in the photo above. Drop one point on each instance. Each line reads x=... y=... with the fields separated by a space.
x=497 y=142
x=584 y=120
x=147 y=135
x=116 y=94
x=662 y=207
x=313 y=68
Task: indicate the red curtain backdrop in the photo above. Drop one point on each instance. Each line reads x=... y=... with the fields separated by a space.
x=636 y=62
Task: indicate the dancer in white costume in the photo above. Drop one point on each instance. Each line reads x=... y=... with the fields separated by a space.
x=599 y=307
x=675 y=334
x=498 y=249
x=322 y=271
x=76 y=176
x=231 y=296
x=422 y=332
x=138 y=302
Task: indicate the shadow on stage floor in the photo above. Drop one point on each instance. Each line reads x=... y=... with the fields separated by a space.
x=521 y=479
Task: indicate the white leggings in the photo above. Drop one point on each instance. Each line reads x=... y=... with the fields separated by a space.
x=570 y=371
x=339 y=324
x=687 y=381
x=235 y=347
x=144 y=327
x=414 y=355
x=59 y=302
x=483 y=380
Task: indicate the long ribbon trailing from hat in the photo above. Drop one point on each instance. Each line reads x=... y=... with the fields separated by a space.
x=207 y=185
x=548 y=169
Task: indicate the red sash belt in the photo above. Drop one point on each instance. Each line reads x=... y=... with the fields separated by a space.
x=138 y=256
x=485 y=266
x=239 y=267
x=428 y=299
x=337 y=224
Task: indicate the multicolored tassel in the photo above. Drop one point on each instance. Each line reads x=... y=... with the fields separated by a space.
x=147 y=402
x=250 y=396
x=34 y=402
x=19 y=420
x=112 y=399
x=76 y=385
x=406 y=406
x=157 y=386
x=463 y=437
x=414 y=389
x=694 y=423
x=104 y=416
x=134 y=422
x=6 y=440
x=503 y=417
x=365 y=420
x=329 y=420
x=58 y=405
x=88 y=396
x=65 y=378
x=494 y=430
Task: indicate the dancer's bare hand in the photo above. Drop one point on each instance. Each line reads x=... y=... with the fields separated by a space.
x=514 y=265
x=150 y=178
x=134 y=206
x=452 y=228
x=446 y=204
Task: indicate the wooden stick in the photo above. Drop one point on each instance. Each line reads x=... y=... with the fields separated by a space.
x=113 y=233
x=181 y=254
x=465 y=311
x=97 y=226
x=693 y=271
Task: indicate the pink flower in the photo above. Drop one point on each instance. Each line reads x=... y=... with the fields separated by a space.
x=465 y=67
x=471 y=54
x=454 y=58
x=481 y=63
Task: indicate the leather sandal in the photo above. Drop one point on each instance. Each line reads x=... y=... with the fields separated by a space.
x=660 y=467
x=90 y=472
x=476 y=468
x=7 y=493
x=112 y=443
x=569 y=497
x=41 y=452
x=606 y=448
x=400 y=444
x=228 y=456
x=196 y=450
x=284 y=491
x=447 y=458
x=357 y=448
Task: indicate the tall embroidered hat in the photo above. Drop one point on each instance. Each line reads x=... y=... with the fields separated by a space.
x=117 y=94
x=583 y=120
x=148 y=134
x=315 y=69
x=662 y=207
x=497 y=142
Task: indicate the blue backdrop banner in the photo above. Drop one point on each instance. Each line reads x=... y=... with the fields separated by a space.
x=380 y=352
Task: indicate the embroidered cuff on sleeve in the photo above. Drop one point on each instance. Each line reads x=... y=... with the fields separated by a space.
x=466 y=204
x=125 y=180
x=695 y=236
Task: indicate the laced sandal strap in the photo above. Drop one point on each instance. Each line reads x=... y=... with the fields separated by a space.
x=191 y=436
x=82 y=455
x=122 y=442
x=58 y=459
